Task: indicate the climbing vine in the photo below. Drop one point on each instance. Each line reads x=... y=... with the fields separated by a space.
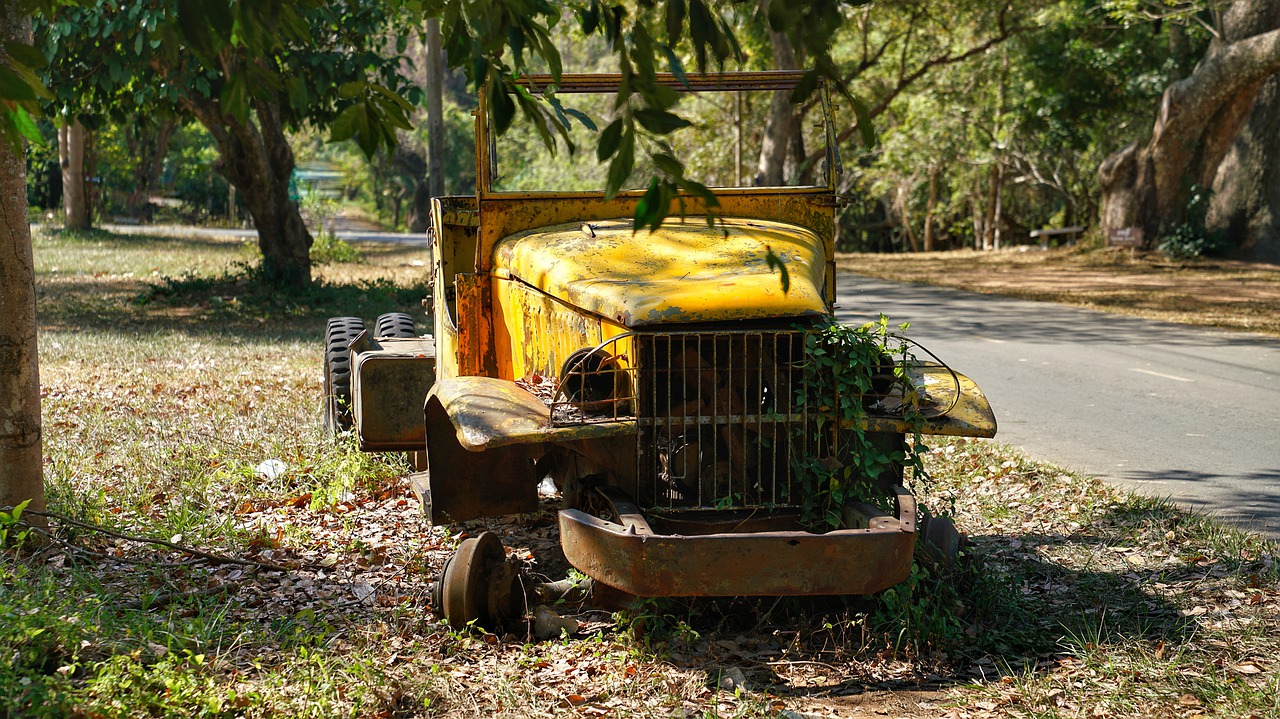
x=851 y=374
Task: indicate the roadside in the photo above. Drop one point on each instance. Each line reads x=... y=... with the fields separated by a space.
x=1210 y=292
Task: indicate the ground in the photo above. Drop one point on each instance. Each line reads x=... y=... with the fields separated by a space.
x=1218 y=293
x=171 y=377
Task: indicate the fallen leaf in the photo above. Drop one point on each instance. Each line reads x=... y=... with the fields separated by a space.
x=1247 y=669
x=1188 y=700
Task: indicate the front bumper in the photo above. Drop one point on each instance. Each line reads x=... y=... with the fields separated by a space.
x=633 y=558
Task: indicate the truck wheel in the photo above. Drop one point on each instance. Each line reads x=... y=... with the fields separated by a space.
x=337 y=371
x=476 y=585
x=940 y=541
x=395 y=324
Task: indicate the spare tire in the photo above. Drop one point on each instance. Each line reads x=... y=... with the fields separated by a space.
x=395 y=325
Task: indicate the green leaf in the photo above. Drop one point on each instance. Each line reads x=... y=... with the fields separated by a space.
x=13 y=87
x=669 y=164
x=677 y=67
x=393 y=96
x=609 y=140
x=702 y=28
x=675 y=21
x=865 y=126
x=365 y=138
x=648 y=212
x=351 y=90
x=26 y=54
x=501 y=107
x=27 y=128
x=193 y=20
x=581 y=117
x=805 y=87
x=235 y=97
x=219 y=15
x=623 y=163
x=660 y=121
x=344 y=124
x=699 y=190
x=590 y=18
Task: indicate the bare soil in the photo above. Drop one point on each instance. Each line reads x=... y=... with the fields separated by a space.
x=1218 y=293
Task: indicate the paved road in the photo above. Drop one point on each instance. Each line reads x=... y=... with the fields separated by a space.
x=1170 y=410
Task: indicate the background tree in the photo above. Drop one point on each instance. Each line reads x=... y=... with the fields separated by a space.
x=21 y=477
x=248 y=72
x=1215 y=132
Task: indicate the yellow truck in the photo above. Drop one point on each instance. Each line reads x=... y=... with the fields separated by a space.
x=663 y=380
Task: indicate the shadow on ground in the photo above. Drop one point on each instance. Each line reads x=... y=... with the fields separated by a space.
x=233 y=304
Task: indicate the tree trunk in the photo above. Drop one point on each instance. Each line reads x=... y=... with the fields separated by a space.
x=1246 y=200
x=929 y=207
x=149 y=144
x=435 y=123
x=904 y=208
x=783 y=128
x=257 y=159
x=21 y=475
x=1201 y=137
x=989 y=218
x=410 y=163
x=75 y=198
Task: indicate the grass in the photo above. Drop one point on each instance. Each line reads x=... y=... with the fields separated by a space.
x=163 y=396
x=1216 y=293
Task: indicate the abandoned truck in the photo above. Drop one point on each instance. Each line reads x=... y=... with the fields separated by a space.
x=677 y=390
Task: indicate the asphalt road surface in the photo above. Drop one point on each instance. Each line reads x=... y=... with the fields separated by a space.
x=1176 y=411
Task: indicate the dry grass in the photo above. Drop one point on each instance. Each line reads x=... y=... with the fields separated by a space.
x=160 y=404
x=1216 y=293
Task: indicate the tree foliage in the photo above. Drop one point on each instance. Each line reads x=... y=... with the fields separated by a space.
x=249 y=71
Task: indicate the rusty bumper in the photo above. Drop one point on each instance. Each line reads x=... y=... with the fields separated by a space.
x=633 y=559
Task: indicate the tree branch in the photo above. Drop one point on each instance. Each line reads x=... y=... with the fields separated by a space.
x=1005 y=32
x=218 y=558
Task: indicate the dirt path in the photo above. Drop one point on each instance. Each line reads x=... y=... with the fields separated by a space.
x=1218 y=293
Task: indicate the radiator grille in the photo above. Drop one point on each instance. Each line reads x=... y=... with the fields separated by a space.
x=720 y=415
x=716 y=417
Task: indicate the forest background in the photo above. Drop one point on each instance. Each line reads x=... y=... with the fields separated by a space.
x=991 y=121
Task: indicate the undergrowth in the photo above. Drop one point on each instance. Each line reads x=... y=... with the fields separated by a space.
x=1074 y=598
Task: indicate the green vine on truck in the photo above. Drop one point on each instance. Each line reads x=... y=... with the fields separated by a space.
x=849 y=370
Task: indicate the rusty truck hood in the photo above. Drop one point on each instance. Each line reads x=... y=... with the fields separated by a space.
x=684 y=272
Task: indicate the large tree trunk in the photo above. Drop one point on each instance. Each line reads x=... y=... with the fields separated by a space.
x=75 y=197
x=435 y=120
x=1246 y=199
x=258 y=161
x=21 y=476
x=1197 y=138
x=782 y=132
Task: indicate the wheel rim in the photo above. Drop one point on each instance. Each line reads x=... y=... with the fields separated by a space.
x=465 y=582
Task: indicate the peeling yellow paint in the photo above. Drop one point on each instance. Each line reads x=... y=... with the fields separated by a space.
x=684 y=272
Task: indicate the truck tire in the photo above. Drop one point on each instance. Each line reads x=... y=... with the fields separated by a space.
x=396 y=325
x=337 y=372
